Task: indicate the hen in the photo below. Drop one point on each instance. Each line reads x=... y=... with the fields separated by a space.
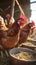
x=10 y=37
x=25 y=33
x=3 y=28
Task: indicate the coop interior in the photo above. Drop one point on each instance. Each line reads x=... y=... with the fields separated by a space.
x=18 y=32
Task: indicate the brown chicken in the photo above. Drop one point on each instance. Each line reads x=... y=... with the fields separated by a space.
x=3 y=28
x=10 y=37
x=25 y=33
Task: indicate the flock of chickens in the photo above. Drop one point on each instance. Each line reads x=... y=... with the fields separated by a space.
x=13 y=35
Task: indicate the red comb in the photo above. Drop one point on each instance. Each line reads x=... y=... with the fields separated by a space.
x=33 y=23
x=23 y=17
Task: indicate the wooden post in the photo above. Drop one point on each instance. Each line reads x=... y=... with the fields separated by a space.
x=12 y=12
x=12 y=9
x=20 y=7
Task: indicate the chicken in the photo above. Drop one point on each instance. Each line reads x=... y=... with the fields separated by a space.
x=32 y=28
x=11 y=39
x=25 y=33
x=3 y=34
x=10 y=36
x=2 y=24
